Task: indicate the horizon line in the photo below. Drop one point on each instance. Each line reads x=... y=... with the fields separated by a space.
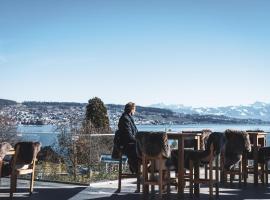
x=151 y=105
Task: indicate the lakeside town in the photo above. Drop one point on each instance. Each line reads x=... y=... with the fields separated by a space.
x=55 y=113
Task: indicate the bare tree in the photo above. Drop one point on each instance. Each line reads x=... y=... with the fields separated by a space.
x=98 y=142
x=82 y=144
x=8 y=130
x=67 y=140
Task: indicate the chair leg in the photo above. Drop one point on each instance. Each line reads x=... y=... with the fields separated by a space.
x=160 y=180
x=225 y=178
x=169 y=182
x=240 y=173
x=232 y=175
x=138 y=183
x=205 y=172
x=262 y=173
x=191 y=178
x=223 y=175
x=138 y=178
x=217 y=176
x=119 y=175
x=244 y=168
x=32 y=183
x=266 y=172
x=152 y=174
x=1 y=162
x=13 y=184
x=255 y=164
x=145 y=176
x=211 y=179
x=196 y=177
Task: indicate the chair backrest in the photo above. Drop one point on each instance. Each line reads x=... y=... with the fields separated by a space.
x=214 y=145
x=237 y=143
x=204 y=138
x=217 y=140
x=153 y=144
x=26 y=152
x=264 y=154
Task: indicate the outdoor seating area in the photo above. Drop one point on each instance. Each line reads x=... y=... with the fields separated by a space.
x=197 y=166
x=130 y=100
x=22 y=162
x=220 y=153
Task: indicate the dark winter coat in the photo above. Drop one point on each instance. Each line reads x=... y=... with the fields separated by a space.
x=128 y=129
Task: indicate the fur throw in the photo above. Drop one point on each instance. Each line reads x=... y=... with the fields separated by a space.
x=215 y=139
x=264 y=154
x=201 y=156
x=4 y=148
x=237 y=143
x=27 y=151
x=153 y=143
x=204 y=137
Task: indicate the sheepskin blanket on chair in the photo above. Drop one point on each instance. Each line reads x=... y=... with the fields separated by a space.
x=153 y=144
x=4 y=148
x=27 y=151
x=264 y=154
x=216 y=139
x=237 y=143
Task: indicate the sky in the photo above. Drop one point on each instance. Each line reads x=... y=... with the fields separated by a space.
x=196 y=53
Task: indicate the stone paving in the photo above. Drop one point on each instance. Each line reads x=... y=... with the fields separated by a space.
x=106 y=190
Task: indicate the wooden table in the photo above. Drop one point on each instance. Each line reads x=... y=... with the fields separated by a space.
x=257 y=139
x=10 y=152
x=181 y=137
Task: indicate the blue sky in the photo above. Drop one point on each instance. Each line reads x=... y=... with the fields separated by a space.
x=197 y=53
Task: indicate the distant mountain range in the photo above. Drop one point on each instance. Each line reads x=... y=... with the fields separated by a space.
x=32 y=112
x=257 y=110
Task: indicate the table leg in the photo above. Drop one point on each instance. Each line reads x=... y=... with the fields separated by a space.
x=196 y=177
x=181 y=169
x=0 y=169
x=256 y=166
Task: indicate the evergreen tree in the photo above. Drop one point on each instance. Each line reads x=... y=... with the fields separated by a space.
x=96 y=114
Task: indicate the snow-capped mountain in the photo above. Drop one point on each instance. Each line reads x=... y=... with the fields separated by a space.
x=257 y=110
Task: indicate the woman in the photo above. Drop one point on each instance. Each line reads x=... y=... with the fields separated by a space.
x=128 y=131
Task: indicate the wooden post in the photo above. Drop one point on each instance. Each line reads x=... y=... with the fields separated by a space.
x=181 y=165
x=119 y=174
x=217 y=175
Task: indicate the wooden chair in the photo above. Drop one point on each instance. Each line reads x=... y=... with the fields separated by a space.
x=259 y=156
x=234 y=158
x=155 y=151
x=5 y=149
x=122 y=175
x=263 y=159
x=24 y=162
x=206 y=157
x=240 y=170
x=159 y=176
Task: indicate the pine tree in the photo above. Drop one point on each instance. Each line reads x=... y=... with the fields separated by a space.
x=96 y=114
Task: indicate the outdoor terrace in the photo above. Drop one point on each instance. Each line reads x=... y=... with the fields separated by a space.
x=105 y=190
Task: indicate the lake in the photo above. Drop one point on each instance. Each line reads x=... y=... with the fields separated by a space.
x=47 y=134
